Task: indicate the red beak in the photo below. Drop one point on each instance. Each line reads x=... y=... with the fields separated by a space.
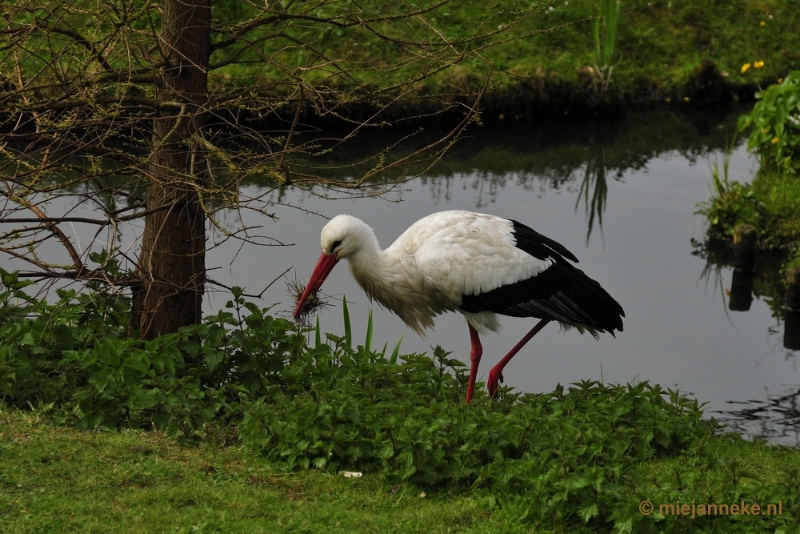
x=323 y=268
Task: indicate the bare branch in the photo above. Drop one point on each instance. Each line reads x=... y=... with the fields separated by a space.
x=83 y=42
x=113 y=117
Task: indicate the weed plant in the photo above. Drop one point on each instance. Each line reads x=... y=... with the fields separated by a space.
x=579 y=458
x=771 y=203
x=604 y=30
x=774 y=124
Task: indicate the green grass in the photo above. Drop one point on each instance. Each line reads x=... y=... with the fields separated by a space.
x=61 y=479
x=544 y=61
x=656 y=50
x=771 y=203
x=67 y=480
x=768 y=463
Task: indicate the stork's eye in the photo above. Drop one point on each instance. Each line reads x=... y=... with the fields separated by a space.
x=335 y=245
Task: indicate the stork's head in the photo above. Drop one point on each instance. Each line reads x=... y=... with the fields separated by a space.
x=342 y=237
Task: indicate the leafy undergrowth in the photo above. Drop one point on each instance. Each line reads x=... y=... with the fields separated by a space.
x=771 y=203
x=66 y=480
x=248 y=386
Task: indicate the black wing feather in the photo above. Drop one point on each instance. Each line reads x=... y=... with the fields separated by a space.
x=538 y=245
x=561 y=292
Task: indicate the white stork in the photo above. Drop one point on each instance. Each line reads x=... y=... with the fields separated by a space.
x=477 y=264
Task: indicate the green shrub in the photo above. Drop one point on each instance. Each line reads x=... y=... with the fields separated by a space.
x=775 y=123
x=771 y=203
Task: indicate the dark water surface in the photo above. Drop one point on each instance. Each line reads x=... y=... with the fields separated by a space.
x=621 y=196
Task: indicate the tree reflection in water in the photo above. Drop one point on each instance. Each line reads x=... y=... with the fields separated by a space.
x=775 y=418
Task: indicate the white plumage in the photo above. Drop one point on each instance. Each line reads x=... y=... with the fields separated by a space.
x=478 y=264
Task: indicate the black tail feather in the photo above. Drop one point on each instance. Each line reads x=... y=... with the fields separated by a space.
x=561 y=293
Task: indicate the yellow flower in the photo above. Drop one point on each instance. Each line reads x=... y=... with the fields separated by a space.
x=774 y=139
x=685 y=98
x=762 y=23
x=758 y=64
x=745 y=67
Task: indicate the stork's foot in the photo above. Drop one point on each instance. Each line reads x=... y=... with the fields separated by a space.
x=495 y=376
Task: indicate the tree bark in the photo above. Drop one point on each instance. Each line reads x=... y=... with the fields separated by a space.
x=171 y=266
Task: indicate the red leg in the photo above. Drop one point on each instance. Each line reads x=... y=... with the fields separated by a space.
x=475 y=358
x=496 y=374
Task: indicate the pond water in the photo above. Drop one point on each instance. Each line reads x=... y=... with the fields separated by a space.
x=657 y=168
x=622 y=197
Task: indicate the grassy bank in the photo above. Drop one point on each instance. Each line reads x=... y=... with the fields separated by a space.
x=61 y=479
x=662 y=51
x=245 y=423
x=666 y=51
x=66 y=480
x=770 y=203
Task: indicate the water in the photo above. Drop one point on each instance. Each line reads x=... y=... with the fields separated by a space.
x=636 y=240
x=678 y=330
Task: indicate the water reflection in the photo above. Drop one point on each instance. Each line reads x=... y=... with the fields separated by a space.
x=776 y=419
x=791 y=333
x=575 y=158
x=741 y=293
x=765 y=281
x=594 y=180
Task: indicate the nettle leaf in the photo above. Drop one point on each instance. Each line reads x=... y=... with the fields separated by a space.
x=143 y=399
x=213 y=358
x=27 y=339
x=587 y=511
x=138 y=360
x=62 y=335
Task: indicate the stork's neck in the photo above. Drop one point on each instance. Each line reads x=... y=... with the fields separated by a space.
x=385 y=278
x=370 y=265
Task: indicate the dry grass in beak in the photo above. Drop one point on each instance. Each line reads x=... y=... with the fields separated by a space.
x=313 y=303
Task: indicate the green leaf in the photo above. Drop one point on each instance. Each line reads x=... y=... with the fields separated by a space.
x=368 y=341
x=396 y=351
x=348 y=333
x=587 y=511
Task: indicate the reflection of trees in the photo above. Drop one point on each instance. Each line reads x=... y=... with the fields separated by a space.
x=594 y=180
x=776 y=419
x=575 y=157
x=768 y=283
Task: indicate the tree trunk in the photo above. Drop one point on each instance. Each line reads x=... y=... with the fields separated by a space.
x=171 y=265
